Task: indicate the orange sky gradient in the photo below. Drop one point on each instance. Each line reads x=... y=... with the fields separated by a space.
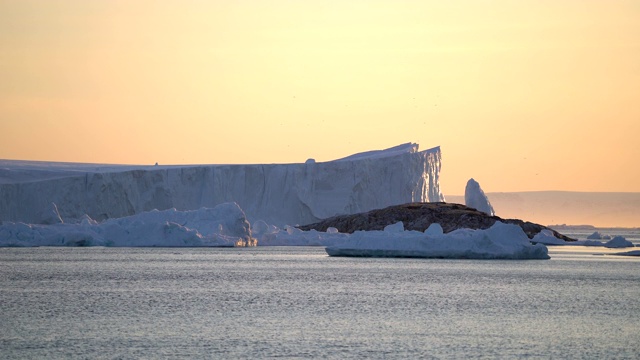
x=521 y=95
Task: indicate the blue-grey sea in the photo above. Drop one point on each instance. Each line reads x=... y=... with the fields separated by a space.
x=296 y=302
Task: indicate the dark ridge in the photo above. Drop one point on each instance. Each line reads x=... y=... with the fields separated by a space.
x=418 y=216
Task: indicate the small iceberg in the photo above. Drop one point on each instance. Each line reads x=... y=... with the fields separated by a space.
x=628 y=253
x=500 y=241
x=618 y=242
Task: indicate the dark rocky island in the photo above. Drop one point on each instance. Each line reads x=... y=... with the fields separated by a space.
x=418 y=216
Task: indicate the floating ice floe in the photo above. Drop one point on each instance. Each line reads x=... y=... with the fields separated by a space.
x=501 y=241
x=223 y=225
x=270 y=235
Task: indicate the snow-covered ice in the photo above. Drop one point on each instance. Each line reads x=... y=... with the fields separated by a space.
x=280 y=194
x=223 y=225
x=501 y=241
x=475 y=198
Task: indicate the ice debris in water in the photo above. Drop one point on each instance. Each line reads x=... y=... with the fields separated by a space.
x=618 y=242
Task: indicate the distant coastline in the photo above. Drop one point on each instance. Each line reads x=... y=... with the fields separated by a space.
x=568 y=208
x=565 y=227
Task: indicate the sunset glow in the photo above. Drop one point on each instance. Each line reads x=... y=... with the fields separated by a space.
x=520 y=95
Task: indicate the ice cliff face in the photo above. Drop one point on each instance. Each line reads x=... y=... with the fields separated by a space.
x=500 y=241
x=277 y=193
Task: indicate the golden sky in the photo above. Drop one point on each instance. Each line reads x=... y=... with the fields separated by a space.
x=521 y=95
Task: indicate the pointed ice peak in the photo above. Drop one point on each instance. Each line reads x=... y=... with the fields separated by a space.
x=475 y=198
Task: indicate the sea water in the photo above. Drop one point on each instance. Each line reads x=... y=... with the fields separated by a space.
x=300 y=303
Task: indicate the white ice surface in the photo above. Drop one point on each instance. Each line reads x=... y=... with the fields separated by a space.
x=277 y=193
x=378 y=154
x=223 y=225
x=501 y=241
x=475 y=198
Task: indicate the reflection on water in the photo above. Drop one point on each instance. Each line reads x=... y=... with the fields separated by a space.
x=298 y=302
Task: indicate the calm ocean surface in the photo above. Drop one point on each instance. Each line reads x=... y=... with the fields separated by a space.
x=300 y=303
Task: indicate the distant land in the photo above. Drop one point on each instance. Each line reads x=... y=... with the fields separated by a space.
x=600 y=209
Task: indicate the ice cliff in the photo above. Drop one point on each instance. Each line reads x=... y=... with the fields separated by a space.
x=277 y=193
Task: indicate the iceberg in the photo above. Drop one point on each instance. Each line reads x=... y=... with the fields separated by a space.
x=475 y=198
x=500 y=241
x=223 y=225
x=618 y=242
x=279 y=194
x=598 y=236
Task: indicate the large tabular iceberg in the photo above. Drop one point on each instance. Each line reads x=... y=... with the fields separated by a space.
x=280 y=194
